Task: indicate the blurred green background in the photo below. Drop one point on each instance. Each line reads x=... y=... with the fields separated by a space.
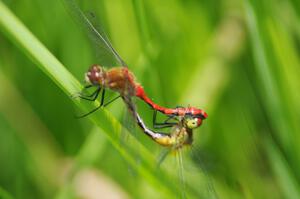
x=238 y=60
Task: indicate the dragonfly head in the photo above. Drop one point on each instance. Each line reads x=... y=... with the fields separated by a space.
x=94 y=74
x=194 y=120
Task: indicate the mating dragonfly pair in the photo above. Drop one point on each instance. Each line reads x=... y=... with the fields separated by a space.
x=181 y=120
x=122 y=80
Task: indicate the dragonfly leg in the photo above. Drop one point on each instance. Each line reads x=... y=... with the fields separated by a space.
x=112 y=100
x=101 y=102
x=99 y=106
x=91 y=97
x=165 y=124
x=102 y=98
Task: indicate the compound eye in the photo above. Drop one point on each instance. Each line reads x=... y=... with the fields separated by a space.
x=199 y=122
x=193 y=123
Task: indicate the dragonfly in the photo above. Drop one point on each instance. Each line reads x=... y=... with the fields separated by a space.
x=118 y=78
x=179 y=136
x=123 y=81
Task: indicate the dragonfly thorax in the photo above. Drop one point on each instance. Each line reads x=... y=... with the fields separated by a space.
x=181 y=135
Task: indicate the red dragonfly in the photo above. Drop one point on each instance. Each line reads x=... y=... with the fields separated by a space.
x=121 y=80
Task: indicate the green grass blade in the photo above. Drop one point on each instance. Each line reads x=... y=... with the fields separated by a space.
x=25 y=40
x=283 y=173
x=273 y=56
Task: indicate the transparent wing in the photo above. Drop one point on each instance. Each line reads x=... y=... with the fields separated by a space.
x=177 y=164
x=181 y=174
x=125 y=141
x=165 y=152
x=108 y=55
x=129 y=125
x=196 y=155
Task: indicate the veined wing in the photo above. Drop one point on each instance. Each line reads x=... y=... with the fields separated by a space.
x=197 y=159
x=108 y=55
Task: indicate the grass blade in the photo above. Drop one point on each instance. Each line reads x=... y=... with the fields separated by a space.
x=32 y=47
